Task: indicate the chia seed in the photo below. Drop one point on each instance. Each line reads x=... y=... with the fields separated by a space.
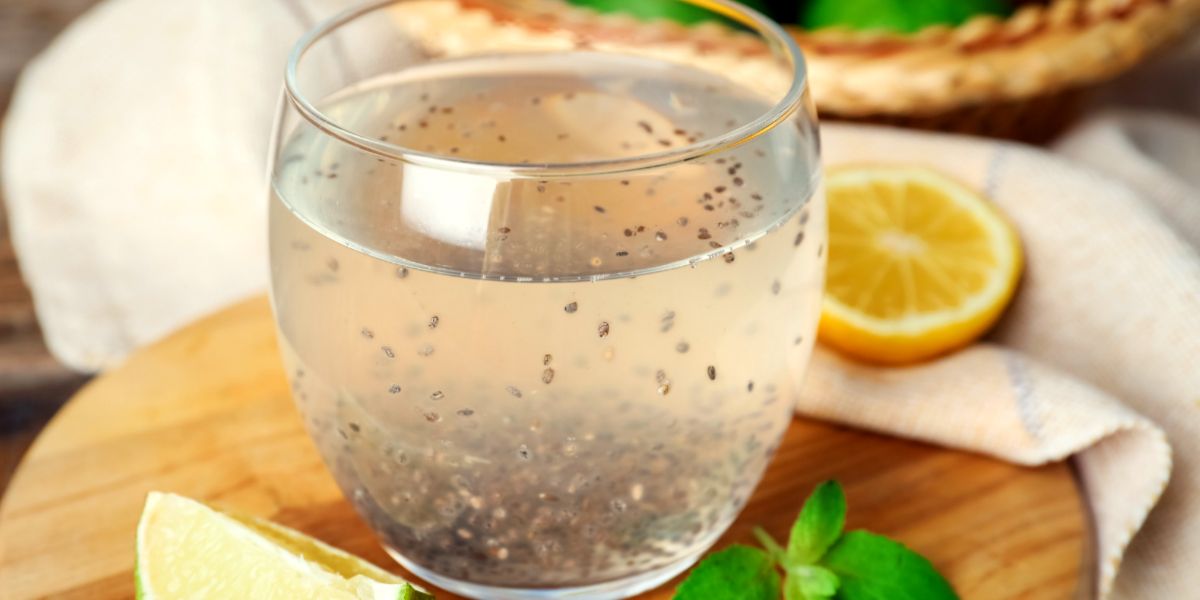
x=571 y=308
x=712 y=373
x=602 y=330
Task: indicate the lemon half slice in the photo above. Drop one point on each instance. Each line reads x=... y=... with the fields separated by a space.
x=919 y=264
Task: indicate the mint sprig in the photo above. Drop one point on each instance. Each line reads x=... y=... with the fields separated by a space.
x=820 y=562
x=735 y=573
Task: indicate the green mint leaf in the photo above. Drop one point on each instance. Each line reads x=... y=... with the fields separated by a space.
x=904 y=16
x=818 y=526
x=809 y=582
x=648 y=10
x=872 y=567
x=735 y=573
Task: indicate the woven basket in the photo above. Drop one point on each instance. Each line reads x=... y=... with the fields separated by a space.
x=1024 y=77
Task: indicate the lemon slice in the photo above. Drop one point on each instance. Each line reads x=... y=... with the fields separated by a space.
x=188 y=550
x=919 y=264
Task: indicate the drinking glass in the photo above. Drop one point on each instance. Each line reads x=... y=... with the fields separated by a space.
x=546 y=282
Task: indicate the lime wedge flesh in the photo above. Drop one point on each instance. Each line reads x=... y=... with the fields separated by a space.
x=187 y=550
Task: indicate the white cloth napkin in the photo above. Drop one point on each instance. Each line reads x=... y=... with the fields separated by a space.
x=133 y=161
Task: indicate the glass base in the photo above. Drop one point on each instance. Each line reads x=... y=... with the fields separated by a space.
x=609 y=590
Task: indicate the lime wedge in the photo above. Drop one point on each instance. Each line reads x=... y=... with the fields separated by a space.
x=188 y=550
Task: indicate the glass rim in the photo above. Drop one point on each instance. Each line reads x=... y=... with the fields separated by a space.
x=761 y=25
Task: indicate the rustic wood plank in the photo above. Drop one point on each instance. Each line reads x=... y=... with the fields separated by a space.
x=207 y=413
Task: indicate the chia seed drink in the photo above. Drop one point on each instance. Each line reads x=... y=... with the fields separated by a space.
x=532 y=382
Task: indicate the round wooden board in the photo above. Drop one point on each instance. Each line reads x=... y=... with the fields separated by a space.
x=206 y=413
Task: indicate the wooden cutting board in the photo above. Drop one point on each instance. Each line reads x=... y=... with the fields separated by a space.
x=206 y=413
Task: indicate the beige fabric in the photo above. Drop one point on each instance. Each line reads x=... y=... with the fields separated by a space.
x=1106 y=326
x=133 y=168
x=134 y=179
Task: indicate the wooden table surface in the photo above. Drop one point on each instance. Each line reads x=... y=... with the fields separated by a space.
x=207 y=413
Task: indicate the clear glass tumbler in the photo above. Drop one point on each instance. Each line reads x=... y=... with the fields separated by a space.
x=546 y=282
